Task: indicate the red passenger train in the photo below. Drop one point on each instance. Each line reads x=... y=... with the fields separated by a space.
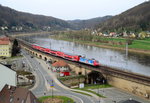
x=67 y=56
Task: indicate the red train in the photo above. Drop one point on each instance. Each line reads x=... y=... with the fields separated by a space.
x=68 y=56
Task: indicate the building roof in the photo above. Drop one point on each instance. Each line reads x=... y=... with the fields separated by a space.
x=6 y=67
x=5 y=76
x=4 y=40
x=60 y=63
x=12 y=94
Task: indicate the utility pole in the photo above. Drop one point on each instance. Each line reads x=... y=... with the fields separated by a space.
x=52 y=86
x=126 y=53
x=126 y=49
x=50 y=44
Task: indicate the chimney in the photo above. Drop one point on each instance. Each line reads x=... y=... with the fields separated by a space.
x=9 y=86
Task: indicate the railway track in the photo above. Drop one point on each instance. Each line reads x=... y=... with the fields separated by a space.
x=103 y=69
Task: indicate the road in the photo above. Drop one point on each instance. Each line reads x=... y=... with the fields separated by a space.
x=44 y=78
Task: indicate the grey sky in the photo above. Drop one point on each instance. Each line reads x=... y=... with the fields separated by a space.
x=72 y=9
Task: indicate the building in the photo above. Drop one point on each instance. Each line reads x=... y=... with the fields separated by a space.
x=7 y=76
x=60 y=66
x=5 y=47
x=12 y=94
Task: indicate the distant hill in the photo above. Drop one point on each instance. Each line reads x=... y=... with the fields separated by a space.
x=13 y=20
x=89 y=23
x=134 y=19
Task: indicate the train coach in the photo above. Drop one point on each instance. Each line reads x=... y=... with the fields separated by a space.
x=67 y=56
x=89 y=61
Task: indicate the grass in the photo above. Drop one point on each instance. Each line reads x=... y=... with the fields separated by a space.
x=83 y=93
x=71 y=77
x=10 y=58
x=137 y=44
x=141 y=44
x=64 y=98
x=14 y=57
x=91 y=92
x=22 y=72
x=87 y=87
x=97 y=86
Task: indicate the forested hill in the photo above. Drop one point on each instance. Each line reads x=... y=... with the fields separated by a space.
x=89 y=23
x=134 y=19
x=12 y=20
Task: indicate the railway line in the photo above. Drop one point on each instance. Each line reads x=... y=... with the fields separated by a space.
x=103 y=69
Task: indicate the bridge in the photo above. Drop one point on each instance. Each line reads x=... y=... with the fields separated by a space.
x=131 y=82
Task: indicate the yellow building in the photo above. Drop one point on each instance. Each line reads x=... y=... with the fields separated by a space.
x=5 y=47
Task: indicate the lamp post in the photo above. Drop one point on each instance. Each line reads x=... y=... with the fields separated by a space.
x=50 y=44
x=126 y=53
x=52 y=86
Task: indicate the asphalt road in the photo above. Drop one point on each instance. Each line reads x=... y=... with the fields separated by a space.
x=44 y=80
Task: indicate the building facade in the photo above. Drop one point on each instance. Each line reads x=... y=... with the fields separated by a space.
x=60 y=66
x=5 y=47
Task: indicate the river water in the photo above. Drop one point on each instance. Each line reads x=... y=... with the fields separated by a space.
x=136 y=63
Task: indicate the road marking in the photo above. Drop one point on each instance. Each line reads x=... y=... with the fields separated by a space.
x=75 y=97
x=37 y=79
x=56 y=81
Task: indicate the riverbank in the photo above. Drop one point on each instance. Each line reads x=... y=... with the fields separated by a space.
x=131 y=48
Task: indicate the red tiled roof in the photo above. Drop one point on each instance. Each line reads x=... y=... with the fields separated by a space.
x=17 y=95
x=4 y=38
x=4 y=41
x=60 y=64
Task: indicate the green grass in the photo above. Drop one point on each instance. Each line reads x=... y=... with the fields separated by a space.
x=141 y=44
x=64 y=98
x=83 y=93
x=137 y=44
x=22 y=72
x=87 y=87
x=91 y=92
x=97 y=86
x=15 y=57
x=71 y=77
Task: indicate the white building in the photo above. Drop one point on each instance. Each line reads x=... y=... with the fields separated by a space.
x=7 y=76
x=60 y=66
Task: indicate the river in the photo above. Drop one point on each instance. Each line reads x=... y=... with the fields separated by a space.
x=137 y=63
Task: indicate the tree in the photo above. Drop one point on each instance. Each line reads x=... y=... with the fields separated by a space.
x=15 y=48
x=142 y=35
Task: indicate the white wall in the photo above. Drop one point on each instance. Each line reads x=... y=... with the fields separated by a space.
x=7 y=76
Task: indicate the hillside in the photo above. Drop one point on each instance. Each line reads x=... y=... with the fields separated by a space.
x=89 y=23
x=134 y=19
x=12 y=20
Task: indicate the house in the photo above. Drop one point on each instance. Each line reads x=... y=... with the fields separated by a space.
x=7 y=76
x=12 y=94
x=112 y=34
x=60 y=66
x=5 y=47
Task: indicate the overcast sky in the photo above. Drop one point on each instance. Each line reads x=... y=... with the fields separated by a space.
x=72 y=9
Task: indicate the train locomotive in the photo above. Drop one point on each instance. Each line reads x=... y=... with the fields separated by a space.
x=68 y=56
